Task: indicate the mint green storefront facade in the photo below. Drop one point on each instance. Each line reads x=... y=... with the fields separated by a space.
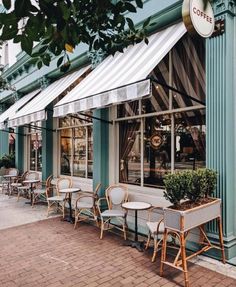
x=220 y=57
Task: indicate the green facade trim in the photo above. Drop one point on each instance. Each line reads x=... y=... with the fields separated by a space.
x=47 y=147
x=101 y=149
x=20 y=149
x=221 y=148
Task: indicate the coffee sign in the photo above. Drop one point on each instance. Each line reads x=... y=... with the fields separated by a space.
x=198 y=18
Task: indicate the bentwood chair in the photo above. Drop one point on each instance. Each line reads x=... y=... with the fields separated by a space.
x=6 y=182
x=86 y=206
x=18 y=182
x=156 y=228
x=56 y=202
x=114 y=216
x=24 y=189
x=41 y=192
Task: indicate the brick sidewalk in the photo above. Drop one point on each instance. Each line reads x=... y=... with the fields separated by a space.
x=51 y=253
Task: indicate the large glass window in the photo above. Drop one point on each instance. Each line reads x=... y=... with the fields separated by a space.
x=35 y=146
x=76 y=141
x=167 y=131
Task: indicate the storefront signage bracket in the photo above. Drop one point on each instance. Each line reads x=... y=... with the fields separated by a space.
x=177 y=91
x=219 y=28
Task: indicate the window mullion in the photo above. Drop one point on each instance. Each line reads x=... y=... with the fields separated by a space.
x=142 y=151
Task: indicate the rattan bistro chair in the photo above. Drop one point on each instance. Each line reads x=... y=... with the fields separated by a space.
x=56 y=202
x=86 y=206
x=24 y=188
x=155 y=230
x=115 y=196
x=41 y=190
x=6 y=182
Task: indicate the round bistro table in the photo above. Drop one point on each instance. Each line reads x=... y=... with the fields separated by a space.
x=31 y=182
x=69 y=191
x=136 y=205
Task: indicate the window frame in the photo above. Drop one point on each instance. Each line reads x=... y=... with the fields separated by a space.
x=170 y=111
x=73 y=127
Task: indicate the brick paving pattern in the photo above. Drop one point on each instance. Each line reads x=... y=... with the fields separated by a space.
x=51 y=253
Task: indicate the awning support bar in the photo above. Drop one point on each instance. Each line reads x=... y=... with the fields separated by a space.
x=177 y=91
x=11 y=131
x=96 y=118
x=39 y=128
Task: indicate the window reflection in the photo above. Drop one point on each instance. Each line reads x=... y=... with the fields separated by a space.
x=66 y=150
x=190 y=140
x=36 y=151
x=157 y=150
x=130 y=151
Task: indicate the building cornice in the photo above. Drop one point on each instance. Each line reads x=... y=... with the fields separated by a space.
x=224 y=7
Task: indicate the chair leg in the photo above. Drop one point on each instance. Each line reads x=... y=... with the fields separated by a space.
x=124 y=229
x=155 y=249
x=102 y=228
x=76 y=218
x=148 y=241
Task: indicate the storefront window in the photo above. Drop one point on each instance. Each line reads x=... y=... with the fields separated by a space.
x=12 y=140
x=76 y=148
x=190 y=140
x=130 y=152
x=35 y=139
x=66 y=151
x=166 y=132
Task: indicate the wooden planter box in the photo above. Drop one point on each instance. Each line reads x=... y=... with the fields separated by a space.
x=179 y=220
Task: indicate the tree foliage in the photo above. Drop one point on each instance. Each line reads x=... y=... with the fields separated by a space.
x=60 y=25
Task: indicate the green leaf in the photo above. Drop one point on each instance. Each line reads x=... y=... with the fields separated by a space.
x=17 y=39
x=7 y=4
x=26 y=44
x=59 y=61
x=130 y=24
x=39 y=65
x=43 y=49
x=146 y=41
x=139 y=3
x=130 y=7
x=9 y=32
x=21 y=7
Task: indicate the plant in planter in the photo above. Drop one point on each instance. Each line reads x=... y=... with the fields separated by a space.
x=190 y=202
x=6 y=161
x=190 y=192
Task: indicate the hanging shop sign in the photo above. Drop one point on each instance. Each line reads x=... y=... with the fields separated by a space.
x=198 y=17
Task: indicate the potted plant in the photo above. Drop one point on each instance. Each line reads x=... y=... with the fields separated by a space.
x=189 y=192
x=6 y=161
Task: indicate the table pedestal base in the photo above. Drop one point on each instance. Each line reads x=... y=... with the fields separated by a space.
x=69 y=219
x=140 y=246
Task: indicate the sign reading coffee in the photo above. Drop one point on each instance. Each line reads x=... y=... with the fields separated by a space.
x=198 y=17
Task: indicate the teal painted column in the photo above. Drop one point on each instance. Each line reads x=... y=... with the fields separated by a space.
x=4 y=143
x=47 y=147
x=101 y=149
x=221 y=121
x=19 y=149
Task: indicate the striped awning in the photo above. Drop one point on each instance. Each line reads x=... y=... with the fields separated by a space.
x=122 y=77
x=35 y=110
x=10 y=112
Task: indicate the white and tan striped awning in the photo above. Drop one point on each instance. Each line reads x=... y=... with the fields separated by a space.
x=35 y=110
x=122 y=77
x=10 y=112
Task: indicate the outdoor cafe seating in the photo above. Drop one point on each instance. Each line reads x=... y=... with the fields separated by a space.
x=86 y=206
x=115 y=196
